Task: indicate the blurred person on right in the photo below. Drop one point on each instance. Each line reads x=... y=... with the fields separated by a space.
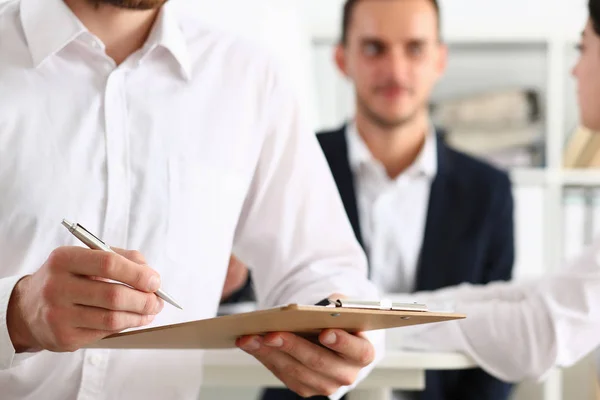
x=518 y=331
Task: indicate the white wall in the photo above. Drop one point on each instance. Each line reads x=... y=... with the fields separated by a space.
x=470 y=17
x=273 y=23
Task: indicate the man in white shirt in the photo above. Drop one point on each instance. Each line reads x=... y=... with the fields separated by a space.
x=164 y=136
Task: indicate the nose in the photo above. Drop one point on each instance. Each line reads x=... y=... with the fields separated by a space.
x=575 y=69
x=397 y=62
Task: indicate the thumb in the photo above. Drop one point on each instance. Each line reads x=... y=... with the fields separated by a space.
x=337 y=296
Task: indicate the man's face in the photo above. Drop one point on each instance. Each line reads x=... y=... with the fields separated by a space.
x=587 y=72
x=394 y=58
x=133 y=4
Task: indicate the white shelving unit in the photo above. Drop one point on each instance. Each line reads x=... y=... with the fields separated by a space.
x=551 y=25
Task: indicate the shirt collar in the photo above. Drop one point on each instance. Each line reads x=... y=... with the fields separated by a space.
x=50 y=25
x=359 y=154
x=168 y=33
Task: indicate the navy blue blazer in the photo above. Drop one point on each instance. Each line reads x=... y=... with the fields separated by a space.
x=469 y=237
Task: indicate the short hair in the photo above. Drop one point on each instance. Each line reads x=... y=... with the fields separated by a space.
x=350 y=5
x=594 y=6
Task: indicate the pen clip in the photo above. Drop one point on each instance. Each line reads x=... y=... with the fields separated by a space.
x=373 y=305
x=91 y=234
x=327 y=303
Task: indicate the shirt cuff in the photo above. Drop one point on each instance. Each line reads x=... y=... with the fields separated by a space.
x=8 y=356
x=377 y=338
x=7 y=351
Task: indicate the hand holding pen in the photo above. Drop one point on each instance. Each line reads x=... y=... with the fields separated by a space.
x=90 y=240
x=68 y=303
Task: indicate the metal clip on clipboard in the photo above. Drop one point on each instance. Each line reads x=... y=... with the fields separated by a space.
x=373 y=305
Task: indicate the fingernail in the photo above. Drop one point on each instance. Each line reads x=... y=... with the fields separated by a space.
x=251 y=345
x=153 y=283
x=329 y=338
x=277 y=342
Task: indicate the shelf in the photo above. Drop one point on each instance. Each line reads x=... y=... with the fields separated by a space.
x=331 y=37
x=566 y=177
x=581 y=177
x=528 y=176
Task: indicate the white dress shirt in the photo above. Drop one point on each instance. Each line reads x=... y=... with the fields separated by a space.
x=392 y=211
x=517 y=331
x=191 y=146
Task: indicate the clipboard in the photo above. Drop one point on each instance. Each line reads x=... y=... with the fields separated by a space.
x=304 y=320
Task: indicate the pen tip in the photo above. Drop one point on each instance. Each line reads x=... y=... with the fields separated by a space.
x=66 y=223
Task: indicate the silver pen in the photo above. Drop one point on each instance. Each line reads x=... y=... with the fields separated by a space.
x=96 y=244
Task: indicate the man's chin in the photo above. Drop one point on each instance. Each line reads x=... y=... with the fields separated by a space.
x=133 y=4
x=393 y=120
x=395 y=115
x=593 y=126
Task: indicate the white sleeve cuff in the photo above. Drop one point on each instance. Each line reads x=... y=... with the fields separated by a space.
x=7 y=351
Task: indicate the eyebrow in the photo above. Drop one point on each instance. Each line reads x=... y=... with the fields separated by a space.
x=417 y=41
x=369 y=40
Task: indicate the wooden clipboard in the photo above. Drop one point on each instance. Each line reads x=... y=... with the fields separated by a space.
x=307 y=321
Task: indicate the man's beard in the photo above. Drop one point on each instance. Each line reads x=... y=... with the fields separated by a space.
x=132 y=4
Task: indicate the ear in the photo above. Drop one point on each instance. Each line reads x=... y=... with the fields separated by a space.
x=340 y=59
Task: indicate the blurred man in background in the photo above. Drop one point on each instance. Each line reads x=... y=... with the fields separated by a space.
x=427 y=216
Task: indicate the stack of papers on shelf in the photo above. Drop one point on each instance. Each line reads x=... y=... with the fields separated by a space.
x=503 y=127
x=511 y=108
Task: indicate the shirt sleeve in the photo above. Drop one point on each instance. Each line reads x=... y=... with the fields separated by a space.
x=293 y=229
x=8 y=357
x=518 y=331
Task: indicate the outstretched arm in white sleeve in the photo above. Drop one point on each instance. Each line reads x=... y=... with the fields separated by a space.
x=518 y=331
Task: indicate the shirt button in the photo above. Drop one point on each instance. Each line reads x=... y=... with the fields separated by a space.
x=96 y=359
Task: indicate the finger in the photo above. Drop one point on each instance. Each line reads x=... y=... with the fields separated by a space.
x=109 y=266
x=132 y=255
x=108 y=321
x=316 y=358
x=290 y=371
x=353 y=347
x=112 y=296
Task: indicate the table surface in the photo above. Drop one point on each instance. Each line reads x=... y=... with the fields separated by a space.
x=394 y=359
x=398 y=370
